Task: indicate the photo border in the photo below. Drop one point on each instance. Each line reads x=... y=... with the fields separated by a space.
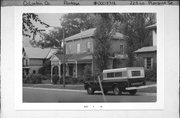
x=159 y=104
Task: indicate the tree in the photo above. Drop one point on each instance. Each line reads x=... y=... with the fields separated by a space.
x=102 y=42
x=134 y=25
x=51 y=39
x=138 y=35
x=29 y=25
x=74 y=23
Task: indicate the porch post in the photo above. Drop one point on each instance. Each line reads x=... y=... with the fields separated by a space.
x=51 y=71
x=59 y=66
x=92 y=69
x=67 y=69
x=76 y=69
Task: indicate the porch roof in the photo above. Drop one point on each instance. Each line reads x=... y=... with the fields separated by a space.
x=75 y=57
x=146 y=49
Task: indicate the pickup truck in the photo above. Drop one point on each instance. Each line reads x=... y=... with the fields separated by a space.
x=117 y=80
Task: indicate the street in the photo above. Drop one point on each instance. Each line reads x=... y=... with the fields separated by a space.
x=59 y=95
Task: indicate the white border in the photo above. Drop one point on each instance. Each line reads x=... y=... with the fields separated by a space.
x=19 y=105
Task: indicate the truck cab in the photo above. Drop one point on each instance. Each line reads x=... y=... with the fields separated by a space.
x=117 y=80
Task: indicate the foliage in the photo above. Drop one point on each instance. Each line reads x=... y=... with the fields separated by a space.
x=102 y=42
x=51 y=39
x=34 y=79
x=151 y=75
x=55 y=79
x=28 y=25
x=69 y=80
x=46 y=68
x=74 y=23
x=135 y=29
x=87 y=72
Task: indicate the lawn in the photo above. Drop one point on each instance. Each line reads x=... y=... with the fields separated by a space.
x=81 y=87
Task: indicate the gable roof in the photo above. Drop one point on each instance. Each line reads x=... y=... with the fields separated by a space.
x=51 y=52
x=146 y=49
x=90 y=33
x=37 y=53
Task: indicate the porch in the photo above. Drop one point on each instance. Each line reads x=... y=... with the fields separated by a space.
x=74 y=65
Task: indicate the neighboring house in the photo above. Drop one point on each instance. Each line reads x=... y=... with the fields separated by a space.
x=147 y=56
x=34 y=58
x=79 y=53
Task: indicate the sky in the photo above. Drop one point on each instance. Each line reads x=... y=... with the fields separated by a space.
x=51 y=19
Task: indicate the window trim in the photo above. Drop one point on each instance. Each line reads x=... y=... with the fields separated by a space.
x=145 y=63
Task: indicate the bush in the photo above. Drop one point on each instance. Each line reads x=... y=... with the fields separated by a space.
x=34 y=79
x=69 y=80
x=55 y=79
x=151 y=75
x=87 y=74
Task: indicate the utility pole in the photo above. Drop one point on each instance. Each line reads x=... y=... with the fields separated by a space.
x=63 y=60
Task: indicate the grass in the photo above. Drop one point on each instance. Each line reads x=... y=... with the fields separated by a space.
x=55 y=86
x=81 y=87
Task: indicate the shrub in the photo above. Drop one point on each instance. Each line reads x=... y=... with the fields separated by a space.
x=34 y=79
x=74 y=80
x=81 y=79
x=46 y=68
x=151 y=75
x=55 y=79
x=69 y=80
x=86 y=74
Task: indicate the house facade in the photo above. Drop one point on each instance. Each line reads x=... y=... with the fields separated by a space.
x=79 y=53
x=34 y=58
x=147 y=56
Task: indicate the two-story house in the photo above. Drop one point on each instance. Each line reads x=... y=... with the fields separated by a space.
x=79 y=53
x=146 y=56
x=34 y=58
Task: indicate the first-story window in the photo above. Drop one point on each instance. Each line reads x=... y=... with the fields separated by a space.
x=148 y=62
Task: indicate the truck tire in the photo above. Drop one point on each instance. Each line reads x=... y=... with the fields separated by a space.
x=132 y=92
x=90 y=90
x=116 y=90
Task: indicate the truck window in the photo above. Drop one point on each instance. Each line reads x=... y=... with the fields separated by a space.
x=135 y=73
x=118 y=74
x=110 y=74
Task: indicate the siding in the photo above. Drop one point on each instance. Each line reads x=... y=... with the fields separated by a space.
x=83 y=46
x=141 y=56
x=35 y=62
x=115 y=45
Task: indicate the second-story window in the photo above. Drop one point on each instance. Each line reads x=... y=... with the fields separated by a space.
x=121 y=49
x=88 y=46
x=78 y=48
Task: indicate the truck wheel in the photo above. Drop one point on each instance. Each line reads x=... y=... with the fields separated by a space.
x=90 y=90
x=132 y=92
x=116 y=90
